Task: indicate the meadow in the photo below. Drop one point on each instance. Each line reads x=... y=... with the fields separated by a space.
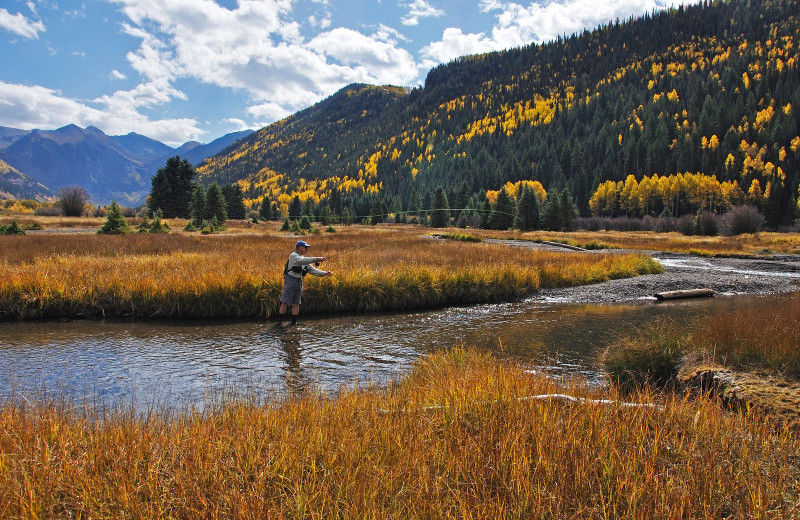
x=238 y=274
x=464 y=435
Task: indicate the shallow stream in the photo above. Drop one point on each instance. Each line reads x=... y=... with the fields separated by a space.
x=191 y=363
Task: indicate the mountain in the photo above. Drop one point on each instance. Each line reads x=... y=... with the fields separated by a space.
x=108 y=167
x=17 y=185
x=712 y=88
x=196 y=153
x=9 y=135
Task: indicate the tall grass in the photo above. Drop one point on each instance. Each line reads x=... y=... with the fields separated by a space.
x=177 y=275
x=766 y=335
x=454 y=439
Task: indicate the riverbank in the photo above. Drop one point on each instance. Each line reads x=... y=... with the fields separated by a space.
x=463 y=435
x=178 y=275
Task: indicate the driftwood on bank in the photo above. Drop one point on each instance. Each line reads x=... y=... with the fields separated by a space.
x=686 y=293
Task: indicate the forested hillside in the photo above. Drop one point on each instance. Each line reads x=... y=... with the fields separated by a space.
x=707 y=92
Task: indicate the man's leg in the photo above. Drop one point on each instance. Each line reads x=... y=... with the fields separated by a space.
x=295 y=313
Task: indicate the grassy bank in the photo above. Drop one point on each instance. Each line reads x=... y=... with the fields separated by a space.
x=240 y=275
x=456 y=438
x=749 y=356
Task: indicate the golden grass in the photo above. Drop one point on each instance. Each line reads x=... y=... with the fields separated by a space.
x=240 y=275
x=455 y=439
x=766 y=335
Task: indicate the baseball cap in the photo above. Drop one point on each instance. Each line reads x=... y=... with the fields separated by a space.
x=301 y=243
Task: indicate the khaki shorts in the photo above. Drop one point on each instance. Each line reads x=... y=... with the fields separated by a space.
x=292 y=290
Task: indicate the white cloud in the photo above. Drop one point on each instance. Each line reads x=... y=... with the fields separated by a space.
x=455 y=43
x=257 y=48
x=420 y=9
x=20 y=25
x=28 y=107
x=518 y=25
x=115 y=74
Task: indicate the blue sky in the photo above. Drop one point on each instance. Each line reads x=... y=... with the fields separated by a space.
x=181 y=70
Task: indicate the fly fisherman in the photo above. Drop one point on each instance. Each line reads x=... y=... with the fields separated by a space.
x=296 y=268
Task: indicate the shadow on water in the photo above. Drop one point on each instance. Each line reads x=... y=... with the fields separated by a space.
x=189 y=364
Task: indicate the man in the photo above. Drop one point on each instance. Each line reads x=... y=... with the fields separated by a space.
x=296 y=268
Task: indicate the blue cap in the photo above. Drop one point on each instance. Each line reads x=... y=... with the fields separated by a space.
x=302 y=243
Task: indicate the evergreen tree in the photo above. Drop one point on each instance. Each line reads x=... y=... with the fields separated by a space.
x=440 y=212
x=115 y=224
x=295 y=208
x=527 y=217
x=550 y=215
x=171 y=188
x=234 y=201
x=503 y=211
x=265 y=210
x=568 y=214
x=215 y=204
x=197 y=206
x=486 y=213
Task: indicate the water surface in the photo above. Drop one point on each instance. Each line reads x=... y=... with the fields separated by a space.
x=189 y=363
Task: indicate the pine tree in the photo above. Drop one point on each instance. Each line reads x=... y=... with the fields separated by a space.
x=265 y=211
x=550 y=215
x=527 y=217
x=115 y=224
x=440 y=212
x=234 y=201
x=197 y=206
x=503 y=211
x=215 y=204
x=171 y=188
x=568 y=214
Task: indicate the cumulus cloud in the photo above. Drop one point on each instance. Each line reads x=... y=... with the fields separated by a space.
x=20 y=25
x=257 y=48
x=27 y=107
x=115 y=74
x=420 y=9
x=518 y=25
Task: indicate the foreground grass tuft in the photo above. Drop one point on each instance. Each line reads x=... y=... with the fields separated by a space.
x=453 y=439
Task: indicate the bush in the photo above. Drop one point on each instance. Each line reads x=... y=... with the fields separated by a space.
x=72 y=200
x=115 y=223
x=11 y=229
x=705 y=224
x=685 y=225
x=742 y=219
x=48 y=211
x=652 y=358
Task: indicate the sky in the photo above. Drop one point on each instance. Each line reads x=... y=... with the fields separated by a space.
x=194 y=70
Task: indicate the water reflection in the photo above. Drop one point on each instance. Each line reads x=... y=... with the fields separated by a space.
x=188 y=364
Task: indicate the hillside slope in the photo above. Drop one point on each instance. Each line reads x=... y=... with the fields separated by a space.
x=712 y=88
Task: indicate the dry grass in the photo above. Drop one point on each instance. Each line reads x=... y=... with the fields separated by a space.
x=240 y=275
x=764 y=336
x=453 y=440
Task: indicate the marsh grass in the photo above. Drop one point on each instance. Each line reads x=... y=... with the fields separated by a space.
x=762 y=337
x=240 y=275
x=455 y=439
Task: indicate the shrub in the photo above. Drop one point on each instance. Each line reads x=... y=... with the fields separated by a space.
x=72 y=200
x=685 y=225
x=48 y=211
x=11 y=229
x=742 y=219
x=115 y=223
x=705 y=224
x=653 y=357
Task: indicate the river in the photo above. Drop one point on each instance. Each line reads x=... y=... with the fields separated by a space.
x=190 y=364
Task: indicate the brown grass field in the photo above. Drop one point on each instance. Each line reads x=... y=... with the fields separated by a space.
x=239 y=273
x=460 y=437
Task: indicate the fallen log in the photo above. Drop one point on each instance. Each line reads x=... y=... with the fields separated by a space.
x=686 y=293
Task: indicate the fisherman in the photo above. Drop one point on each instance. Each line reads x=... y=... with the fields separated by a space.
x=295 y=269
